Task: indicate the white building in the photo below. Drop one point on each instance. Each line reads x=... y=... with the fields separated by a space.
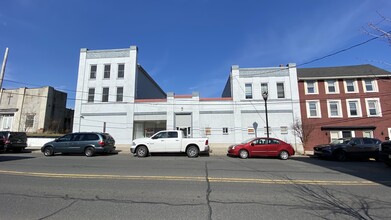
x=116 y=95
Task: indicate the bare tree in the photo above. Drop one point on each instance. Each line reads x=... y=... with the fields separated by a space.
x=302 y=130
x=378 y=29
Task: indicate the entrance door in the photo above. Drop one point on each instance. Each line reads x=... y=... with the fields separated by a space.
x=183 y=123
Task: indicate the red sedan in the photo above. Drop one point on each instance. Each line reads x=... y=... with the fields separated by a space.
x=256 y=147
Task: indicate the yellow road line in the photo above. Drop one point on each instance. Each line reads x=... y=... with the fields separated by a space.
x=189 y=178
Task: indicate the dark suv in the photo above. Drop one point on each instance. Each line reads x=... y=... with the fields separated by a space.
x=88 y=143
x=344 y=148
x=13 y=141
x=385 y=152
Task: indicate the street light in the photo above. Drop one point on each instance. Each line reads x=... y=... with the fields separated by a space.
x=265 y=95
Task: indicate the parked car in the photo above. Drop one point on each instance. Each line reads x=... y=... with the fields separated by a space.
x=344 y=148
x=169 y=142
x=88 y=143
x=256 y=147
x=13 y=141
x=385 y=152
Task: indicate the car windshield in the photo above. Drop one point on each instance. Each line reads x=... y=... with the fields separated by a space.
x=340 y=141
x=246 y=141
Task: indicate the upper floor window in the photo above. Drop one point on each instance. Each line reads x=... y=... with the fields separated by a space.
x=354 y=107
x=106 y=74
x=121 y=70
x=105 y=94
x=351 y=86
x=93 y=72
x=91 y=94
x=313 y=109
x=334 y=108
x=280 y=90
x=311 y=87
x=120 y=94
x=249 y=91
x=373 y=107
x=264 y=88
x=369 y=85
x=331 y=86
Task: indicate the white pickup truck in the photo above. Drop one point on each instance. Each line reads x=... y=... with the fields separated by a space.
x=169 y=142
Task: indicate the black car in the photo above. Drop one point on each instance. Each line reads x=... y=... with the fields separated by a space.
x=344 y=148
x=88 y=143
x=13 y=141
x=385 y=152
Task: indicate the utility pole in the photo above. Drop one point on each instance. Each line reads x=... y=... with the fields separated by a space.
x=3 y=68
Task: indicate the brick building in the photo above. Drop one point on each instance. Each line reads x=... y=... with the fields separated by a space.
x=346 y=101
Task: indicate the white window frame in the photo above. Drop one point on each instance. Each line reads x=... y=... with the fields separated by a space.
x=283 y=87
x=329 y=101
x=355 y=85
x=359 y=111
x=374 y=85
x=336 y=85
x=267 y=87
x=370 y=132
x=315 y=87
x=377 y=105
x=318 y=110
x=250 y=86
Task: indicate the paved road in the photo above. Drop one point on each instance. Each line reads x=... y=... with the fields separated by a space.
x=177 y=187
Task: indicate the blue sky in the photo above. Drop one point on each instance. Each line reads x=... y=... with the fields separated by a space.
x=185 y=45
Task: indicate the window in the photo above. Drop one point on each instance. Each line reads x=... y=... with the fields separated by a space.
x=172 y=134
x=284 y=130
x=29 y=120
x=264 y=87
x=367 y=134
x=313 y=109
x=93 y=72
x=280 y=90
x=208 y=131
x=91 y=94
x=120 y=94
x=249 y=91
x=121 y=70
x=331 y=86
x=311 y=87
x=373 y=107
x=354 y=107
x=225 y=130
x=350 y=86
x=265 y=129
x=106 y=74
x=369 y=85
x=105 y=95
x=334 y=108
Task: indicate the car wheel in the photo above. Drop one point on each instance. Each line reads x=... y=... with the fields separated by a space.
x=243 y=154
x=89 y=151
x=142 y=151
x=192 y=151
x=48 y=151
x=340 y=155
x=283 y=155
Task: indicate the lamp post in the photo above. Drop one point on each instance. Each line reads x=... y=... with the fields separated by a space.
x=265 y=95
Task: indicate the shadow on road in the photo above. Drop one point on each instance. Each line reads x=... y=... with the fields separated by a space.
x=4 y=157
x=370 y=170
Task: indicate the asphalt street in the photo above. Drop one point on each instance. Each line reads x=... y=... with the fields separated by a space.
x=176 y=187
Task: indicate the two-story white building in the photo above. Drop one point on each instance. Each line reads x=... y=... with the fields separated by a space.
x=116 y=95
